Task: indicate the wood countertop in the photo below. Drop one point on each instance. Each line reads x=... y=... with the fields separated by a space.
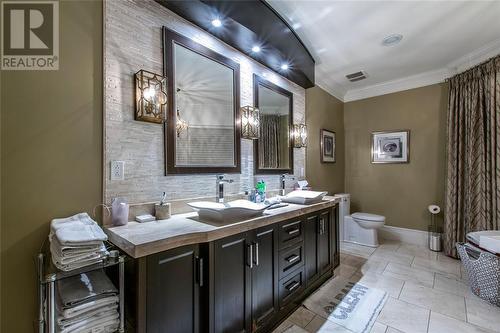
x=142 y=239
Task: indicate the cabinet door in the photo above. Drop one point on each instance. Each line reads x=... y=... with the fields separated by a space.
x=173 y=291
x=264 y=275
x=232 y=284
x=324 y=242
x=311 y=248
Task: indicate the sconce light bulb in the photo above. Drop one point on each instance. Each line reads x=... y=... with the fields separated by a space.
x=216 y=22
x=149 y=93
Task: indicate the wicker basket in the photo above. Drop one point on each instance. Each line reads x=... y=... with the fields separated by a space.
x=483 y=270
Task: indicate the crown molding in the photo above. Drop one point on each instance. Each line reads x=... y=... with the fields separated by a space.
x=410 y=82
x=475 y=57
x=336 y=90
x=416 y=81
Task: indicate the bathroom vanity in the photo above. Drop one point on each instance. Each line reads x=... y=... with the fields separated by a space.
x=189 y=275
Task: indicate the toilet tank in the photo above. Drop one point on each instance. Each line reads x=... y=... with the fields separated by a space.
x=345 y=204
x=344 y=210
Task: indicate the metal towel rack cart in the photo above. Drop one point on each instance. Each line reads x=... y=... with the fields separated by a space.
x=48 y=274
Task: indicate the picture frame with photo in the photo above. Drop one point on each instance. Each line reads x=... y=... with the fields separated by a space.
x=328 y=146
x=390 y=147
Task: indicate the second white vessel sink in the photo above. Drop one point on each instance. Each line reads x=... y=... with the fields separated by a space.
x=228 y=211
x=304 y=197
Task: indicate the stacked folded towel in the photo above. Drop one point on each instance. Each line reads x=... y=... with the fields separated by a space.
x=76 y=241
x=87 y=303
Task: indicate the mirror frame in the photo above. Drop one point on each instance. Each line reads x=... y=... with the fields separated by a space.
x=259 y=81
x=170 y=38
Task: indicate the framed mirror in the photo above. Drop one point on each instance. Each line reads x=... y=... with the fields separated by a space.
x=273 y=151
x=202 y=132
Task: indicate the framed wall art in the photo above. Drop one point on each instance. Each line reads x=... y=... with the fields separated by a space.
x=328 y=146
x=391 y=147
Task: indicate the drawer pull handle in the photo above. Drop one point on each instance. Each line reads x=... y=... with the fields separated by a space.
x=292 y=286
x=293 y=232
x=293 y=258
x=250 y=254
x=256 y=254
x=200 y=272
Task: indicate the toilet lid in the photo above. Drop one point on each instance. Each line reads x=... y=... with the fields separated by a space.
x=368 y=217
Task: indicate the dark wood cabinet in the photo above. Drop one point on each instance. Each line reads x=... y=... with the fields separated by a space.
x=320 y=244
x=325 y=243
x=311 y=226
x=264 y=276
x=173 y=291
x=245 y=280
x=232 y=259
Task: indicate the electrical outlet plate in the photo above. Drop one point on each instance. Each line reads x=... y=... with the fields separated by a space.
x=117 y=170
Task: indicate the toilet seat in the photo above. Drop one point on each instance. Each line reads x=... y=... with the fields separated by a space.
x=368 y=217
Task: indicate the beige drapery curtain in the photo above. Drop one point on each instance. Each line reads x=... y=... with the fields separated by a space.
x=269 y=141
x=473 y=154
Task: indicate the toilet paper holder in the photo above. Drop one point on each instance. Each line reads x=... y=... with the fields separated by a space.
x=434 y=234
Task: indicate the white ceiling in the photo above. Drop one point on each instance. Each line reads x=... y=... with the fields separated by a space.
x=440 y=39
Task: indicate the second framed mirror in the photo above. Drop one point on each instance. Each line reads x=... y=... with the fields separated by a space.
x=273 y=151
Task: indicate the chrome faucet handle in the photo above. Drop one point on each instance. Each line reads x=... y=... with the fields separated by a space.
x=221 y=179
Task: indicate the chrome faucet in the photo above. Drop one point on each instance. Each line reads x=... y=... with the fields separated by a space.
x=282 y=183
x=219 y=186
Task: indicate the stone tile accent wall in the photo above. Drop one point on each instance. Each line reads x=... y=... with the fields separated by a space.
x=133 y=41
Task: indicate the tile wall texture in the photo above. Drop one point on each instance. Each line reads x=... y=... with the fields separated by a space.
x=133 y=41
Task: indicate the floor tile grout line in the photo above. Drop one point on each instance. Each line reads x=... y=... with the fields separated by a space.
x=401 y=291
x=466 y=316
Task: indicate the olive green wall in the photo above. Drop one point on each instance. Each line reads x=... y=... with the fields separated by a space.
x=401 y=192
x=51 y=139
x=324 y=111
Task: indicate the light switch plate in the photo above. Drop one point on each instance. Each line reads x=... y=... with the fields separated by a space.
x=117 y=170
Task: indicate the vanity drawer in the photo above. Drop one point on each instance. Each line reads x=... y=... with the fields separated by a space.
x=291 y=286
x=291 y=232
x=290 y=259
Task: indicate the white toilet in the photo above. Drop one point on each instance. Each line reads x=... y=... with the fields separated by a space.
x=358 y=228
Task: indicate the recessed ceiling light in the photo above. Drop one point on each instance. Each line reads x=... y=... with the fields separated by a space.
x=392 y=39
x=256 y=48
x=216 y=23
x=284 y=67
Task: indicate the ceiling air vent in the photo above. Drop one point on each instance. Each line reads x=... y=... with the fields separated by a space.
x=358 y=76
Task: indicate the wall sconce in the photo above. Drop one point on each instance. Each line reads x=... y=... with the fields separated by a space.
x=299 y=135
x=250 y=122
x=151 y=99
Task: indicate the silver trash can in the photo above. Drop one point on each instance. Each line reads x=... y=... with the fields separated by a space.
x=435 y=241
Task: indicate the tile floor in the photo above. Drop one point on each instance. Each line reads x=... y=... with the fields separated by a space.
x=428 y=293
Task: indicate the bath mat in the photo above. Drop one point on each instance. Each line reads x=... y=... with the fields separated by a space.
x=348 y=304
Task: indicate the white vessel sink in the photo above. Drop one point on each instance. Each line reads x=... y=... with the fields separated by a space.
x=304 y=197
x=228 y=211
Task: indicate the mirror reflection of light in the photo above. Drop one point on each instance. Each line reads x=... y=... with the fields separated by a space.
x=217 y=23
x=256 y=49
x=284 y=67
